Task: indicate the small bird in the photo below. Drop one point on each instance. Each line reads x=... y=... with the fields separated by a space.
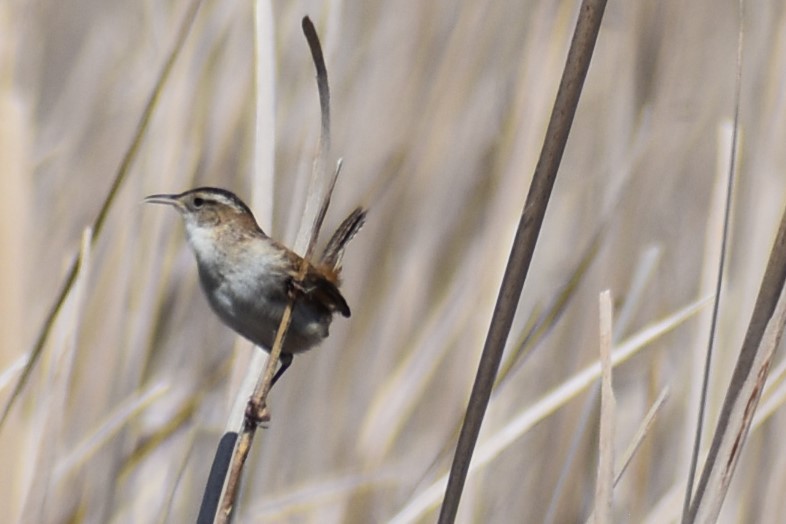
x=248 y=277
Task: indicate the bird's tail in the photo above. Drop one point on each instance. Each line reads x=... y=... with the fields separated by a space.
x=334 y=251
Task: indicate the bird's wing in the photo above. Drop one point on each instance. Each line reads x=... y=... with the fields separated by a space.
x=324 y=292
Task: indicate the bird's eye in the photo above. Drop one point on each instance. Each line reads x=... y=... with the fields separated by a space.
x=199 y=202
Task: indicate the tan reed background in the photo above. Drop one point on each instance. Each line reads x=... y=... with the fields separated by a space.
x=439 y=110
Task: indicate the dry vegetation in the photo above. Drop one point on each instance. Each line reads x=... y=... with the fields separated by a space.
x=439 y=110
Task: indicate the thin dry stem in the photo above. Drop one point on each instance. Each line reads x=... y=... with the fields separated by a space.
x=747 y=383
x=257 y=404
x=574 y=74
x=719 y=282
x=604 y=487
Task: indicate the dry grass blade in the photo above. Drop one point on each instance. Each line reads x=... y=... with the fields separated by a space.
x=13 y=369
x=644 y=271
x=604 y=487
x=318 y=201
x=753 y=364
x=98 y=224
x=666 y=509
x=546 y=321
x=642 y=432
x=301 y=499
x=58 y=367
x=774 y=395
x=124 y=412
x=638 y=438
x=747 y=383
x=403 y=387
x=574 y=73
x=719 y=281
x=265 y=111
x=519 y=424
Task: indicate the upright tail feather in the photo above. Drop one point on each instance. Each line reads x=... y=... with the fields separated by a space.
x=334 y=251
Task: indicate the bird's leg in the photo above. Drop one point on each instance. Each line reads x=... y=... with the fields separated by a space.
x=257 y=412
x=286 y=361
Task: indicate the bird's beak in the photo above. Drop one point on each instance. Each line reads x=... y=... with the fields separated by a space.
x=171 y=200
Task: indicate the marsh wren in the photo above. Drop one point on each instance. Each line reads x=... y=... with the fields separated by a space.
x=248 y=277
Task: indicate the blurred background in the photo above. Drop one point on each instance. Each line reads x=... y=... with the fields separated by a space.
x=439 y=110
